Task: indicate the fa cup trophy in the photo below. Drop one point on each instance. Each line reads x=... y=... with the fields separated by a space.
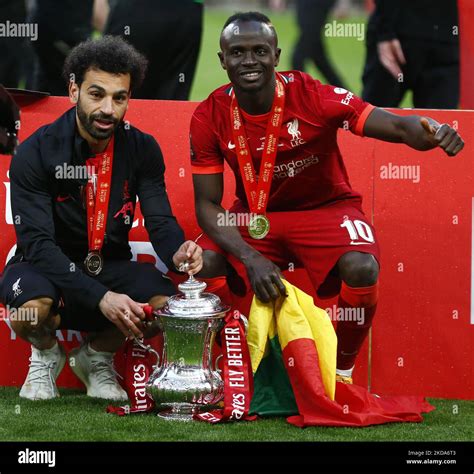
x=184 y=382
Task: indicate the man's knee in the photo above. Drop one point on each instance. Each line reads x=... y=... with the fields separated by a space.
x=358 y=269
x=34 y=314
x=214 y=265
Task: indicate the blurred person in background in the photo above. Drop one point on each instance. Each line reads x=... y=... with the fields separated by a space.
x=413 y=45
x=169 y=34
x=14 y=50
x=61 y=26
x=312 y=16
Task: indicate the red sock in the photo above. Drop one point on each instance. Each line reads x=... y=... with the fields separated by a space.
x=351 y=334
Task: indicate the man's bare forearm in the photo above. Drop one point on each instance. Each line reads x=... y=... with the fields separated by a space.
x=414 y=135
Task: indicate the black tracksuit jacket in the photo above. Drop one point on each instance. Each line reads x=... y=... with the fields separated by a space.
x=50 y=216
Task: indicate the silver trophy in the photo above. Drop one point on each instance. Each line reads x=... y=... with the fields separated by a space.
x=184 y=382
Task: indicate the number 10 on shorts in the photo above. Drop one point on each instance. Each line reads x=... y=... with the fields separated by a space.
x=358 y=230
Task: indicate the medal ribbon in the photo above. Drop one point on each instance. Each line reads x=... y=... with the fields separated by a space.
x=237 y=374
x=258 y=193
x=137 y=371
x=97 y=203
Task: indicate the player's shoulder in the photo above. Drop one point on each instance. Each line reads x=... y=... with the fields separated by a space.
x=27 y=157
x=142 y=144
x=33 y=140
x=28 y=153
x=299 y=80
x=321 y=95
x=216 y=103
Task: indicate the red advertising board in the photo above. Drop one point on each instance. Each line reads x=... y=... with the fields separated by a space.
x=422 y=207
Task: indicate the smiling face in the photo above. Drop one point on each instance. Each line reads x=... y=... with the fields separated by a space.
x=249 y=54
x=102 y=100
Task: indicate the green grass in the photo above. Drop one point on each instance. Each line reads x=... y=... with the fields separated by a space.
x=347 y=54
x=75 y=417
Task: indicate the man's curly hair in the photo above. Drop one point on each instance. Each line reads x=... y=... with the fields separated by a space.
x=110 y=54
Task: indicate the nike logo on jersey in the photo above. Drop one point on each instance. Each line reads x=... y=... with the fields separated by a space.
x=230 y=145
x=63 y=198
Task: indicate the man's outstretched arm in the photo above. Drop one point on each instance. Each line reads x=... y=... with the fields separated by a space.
x=418 y=132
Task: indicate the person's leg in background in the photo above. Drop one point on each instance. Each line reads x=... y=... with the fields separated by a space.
x=61 y=26
x=437 y=86
x=51 y=53
x=380 y=88
x=169 y=35
x=10 y=65
x=311 y=17
x=187 y=33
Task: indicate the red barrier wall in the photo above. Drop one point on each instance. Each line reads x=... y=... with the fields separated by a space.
x=423 y=333
x=466 y=46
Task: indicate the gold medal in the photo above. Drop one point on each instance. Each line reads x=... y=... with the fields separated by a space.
x=94 y=263
x=259 y=226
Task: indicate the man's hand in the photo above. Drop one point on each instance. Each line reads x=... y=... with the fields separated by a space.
x=265 y=278
x=125 y=313
x=391 y=56
x=191 y=254
x=443 y=136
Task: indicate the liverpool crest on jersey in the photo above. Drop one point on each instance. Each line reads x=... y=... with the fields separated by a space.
x=293 y=130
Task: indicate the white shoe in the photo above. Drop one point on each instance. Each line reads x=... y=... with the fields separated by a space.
x=96 y=371
x=45 y=366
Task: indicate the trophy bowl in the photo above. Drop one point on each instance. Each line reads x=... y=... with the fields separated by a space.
x=184 y=382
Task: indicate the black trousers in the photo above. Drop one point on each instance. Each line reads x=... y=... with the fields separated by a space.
x=169 y=34
x=51 y=52
x=311 y=16
x=431 y=72
x=21 y=282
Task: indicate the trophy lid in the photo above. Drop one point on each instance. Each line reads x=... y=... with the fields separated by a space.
x=193 y=302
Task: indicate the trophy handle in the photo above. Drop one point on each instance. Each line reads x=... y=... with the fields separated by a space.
x=216 y=363
x=246 y=323
x=148 y=348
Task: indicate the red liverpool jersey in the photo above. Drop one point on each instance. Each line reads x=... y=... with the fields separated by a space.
x=309 y=170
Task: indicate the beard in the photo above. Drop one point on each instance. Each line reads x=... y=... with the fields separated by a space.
x=87 y=121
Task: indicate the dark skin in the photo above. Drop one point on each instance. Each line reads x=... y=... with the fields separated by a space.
x=249 y=53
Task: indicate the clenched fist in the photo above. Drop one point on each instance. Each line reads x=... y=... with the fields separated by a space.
x=444 y=136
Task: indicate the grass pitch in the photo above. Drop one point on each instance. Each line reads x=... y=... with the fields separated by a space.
x=76 y=417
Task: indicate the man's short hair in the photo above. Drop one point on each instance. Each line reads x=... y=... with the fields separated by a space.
x=250 y=16
x=247 y=16
x=110 y=54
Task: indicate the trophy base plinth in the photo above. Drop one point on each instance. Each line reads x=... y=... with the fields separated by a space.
x=179 y=411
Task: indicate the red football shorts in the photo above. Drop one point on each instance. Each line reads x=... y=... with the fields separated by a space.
x=313 y=239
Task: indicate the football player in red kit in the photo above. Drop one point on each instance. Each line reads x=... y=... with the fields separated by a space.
x=278 y=133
